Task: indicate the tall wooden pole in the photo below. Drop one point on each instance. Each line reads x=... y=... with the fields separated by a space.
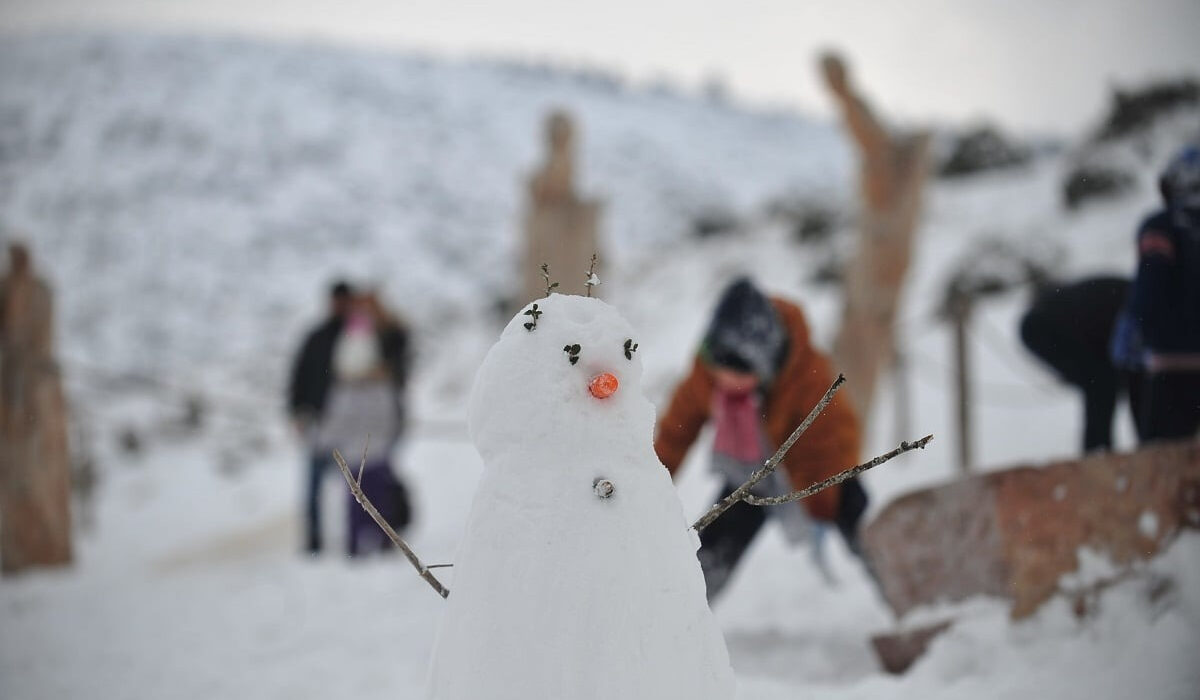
x=960 y=317
x=903 y=394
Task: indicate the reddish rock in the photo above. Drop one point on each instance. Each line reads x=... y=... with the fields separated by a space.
x=899 y=650
x=1014 y=533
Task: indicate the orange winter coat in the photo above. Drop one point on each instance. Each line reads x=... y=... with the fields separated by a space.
x=831 y=443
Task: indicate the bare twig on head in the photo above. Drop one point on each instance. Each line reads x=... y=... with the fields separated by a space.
x=356 y=489
x=550 y=286
x=591 y=278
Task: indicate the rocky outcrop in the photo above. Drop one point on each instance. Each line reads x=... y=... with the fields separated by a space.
x=1015 y=533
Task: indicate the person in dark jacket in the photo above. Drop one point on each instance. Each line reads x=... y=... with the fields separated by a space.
x=1164 y=303
x=308 y=392
x=1068 y=326
x=755 y=379
x=364 y=418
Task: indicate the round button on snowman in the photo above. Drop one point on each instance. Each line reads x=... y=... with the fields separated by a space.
x=577 y=576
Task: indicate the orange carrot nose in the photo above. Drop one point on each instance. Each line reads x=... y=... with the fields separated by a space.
x=603 y=385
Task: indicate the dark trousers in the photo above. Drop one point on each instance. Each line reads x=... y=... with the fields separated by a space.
x=1069 y=327
x=1085 y=367
x=318 y=463
x=725 y=541
x=1170 y=406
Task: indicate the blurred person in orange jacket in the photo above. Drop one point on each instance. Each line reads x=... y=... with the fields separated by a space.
x=755 y=378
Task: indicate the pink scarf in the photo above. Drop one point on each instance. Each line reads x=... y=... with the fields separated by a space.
x=737 y=425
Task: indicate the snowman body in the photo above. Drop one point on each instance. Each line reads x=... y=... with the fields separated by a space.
x=563 y=589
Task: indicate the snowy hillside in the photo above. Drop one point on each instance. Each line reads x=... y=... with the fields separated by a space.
x=190 y=198
x=178 y=179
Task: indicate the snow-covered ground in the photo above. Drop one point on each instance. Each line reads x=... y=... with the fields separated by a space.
x=189 y=199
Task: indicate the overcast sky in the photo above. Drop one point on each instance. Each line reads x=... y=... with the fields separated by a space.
x=1029 y=64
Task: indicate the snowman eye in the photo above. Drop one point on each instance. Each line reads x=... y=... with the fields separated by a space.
x=534 y=313
x=630 y=348
x=572 y=352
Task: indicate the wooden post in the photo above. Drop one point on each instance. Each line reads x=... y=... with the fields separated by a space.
x=903 y=394
x=959 y=309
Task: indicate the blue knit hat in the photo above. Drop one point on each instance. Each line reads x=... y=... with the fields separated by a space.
x=1180 y=185
x=745 y=333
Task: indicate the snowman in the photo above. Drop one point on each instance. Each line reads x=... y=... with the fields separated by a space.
x=577 y=577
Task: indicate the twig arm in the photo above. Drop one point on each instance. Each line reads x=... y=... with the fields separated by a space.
x=741 y=492
x=839 y=477
x=356 y=489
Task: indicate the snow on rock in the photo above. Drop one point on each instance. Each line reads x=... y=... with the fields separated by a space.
x=1094 y=568
x=1148 y=524
x=559 y=592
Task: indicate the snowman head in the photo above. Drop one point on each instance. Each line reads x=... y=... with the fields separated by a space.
x=564 y=380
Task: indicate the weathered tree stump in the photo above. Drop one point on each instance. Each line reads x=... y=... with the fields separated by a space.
x=892 y=173
x=35 y=523
x=560 y=226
